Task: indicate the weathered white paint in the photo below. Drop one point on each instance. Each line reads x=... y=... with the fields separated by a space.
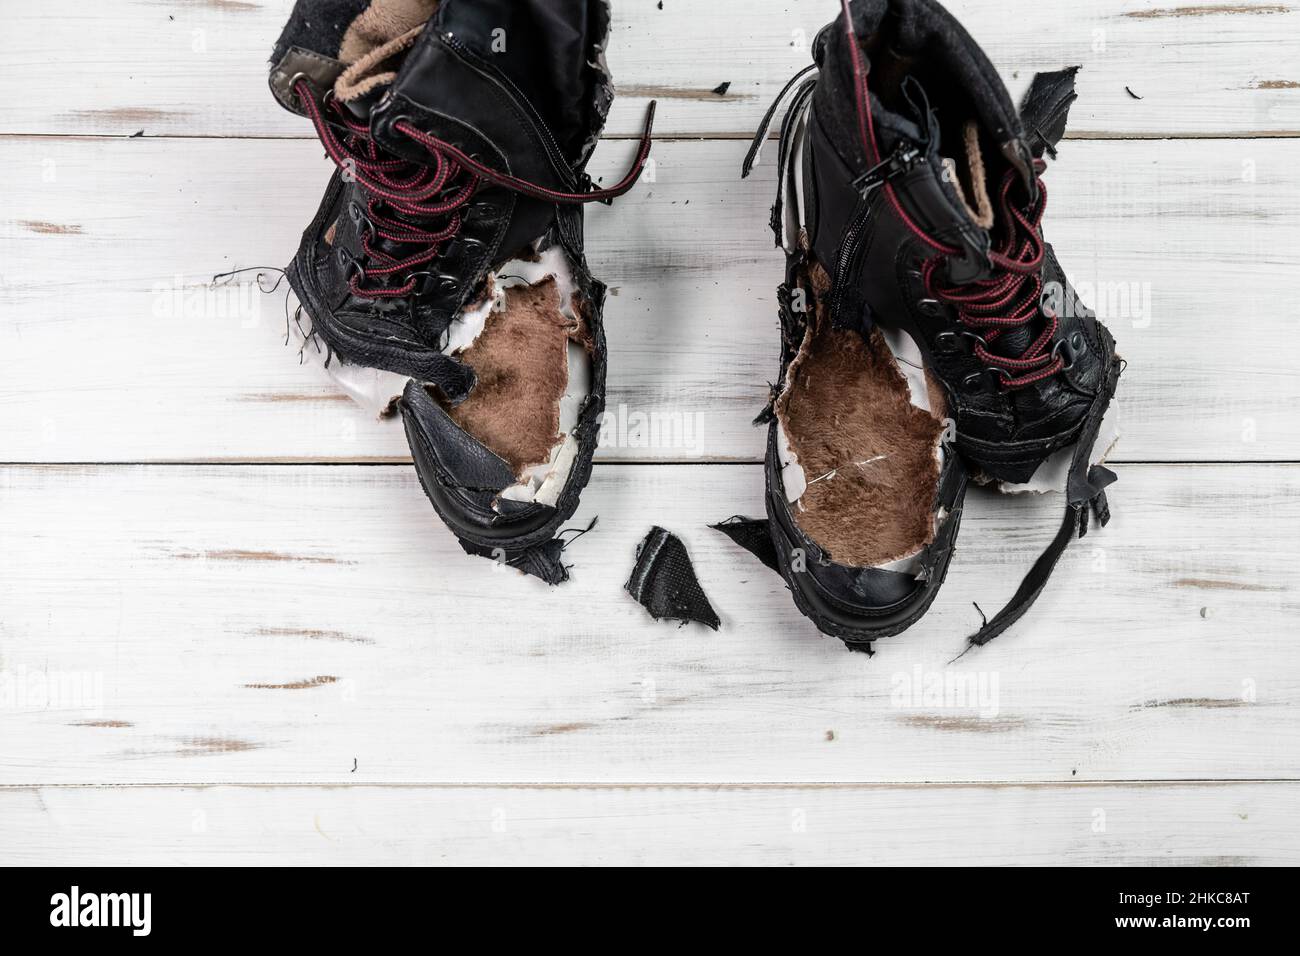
x=1163 y=825
x=199 y=69
x=120 y=353
x=314 y=624
x=268 y=623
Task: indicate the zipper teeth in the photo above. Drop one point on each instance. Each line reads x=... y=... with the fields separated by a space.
x=849 y=252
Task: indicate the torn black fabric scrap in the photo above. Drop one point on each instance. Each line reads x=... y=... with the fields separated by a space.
x=663 y=581
x=751 y=534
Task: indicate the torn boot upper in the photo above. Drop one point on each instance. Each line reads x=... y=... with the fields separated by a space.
x=447 y=256
x=918 y=186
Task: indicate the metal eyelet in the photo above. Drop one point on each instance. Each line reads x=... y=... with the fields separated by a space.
x=948 y=343
x=976 y=381
x=1073 y=348
x=293 y=84
x=432 y=283
x=418 y=278
x=349 y=263
x=360 y=219
x=931 y=307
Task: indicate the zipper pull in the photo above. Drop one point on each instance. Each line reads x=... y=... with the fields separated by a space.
x=902 y=159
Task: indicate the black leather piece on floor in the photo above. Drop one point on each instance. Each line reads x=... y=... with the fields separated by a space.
x=1046 y=107
x=541 y=561
x=664 y=582
x=752 y=535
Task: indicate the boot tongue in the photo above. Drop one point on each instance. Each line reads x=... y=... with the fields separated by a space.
x=969 y=177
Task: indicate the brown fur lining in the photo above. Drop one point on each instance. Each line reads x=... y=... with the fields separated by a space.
x=972 y=182
x=521 y=356
x=867 y=452
x=379 y=34
x=521 y=360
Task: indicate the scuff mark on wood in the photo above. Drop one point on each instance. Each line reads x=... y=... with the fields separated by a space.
x=316 y=822
x=130 y=114
x=1276 y=85
x=293 y=397
x=1212 y=585
x=1208 y=702
x=312 y=634
x=304 y=684
x=966 y=724
x=1206 y=11
x=199 y=747
x=680 y=93
x=202 y=746
x=239 y=554
x=43 y=228
x=239 y=6
x=101 y=723
x=556 y=729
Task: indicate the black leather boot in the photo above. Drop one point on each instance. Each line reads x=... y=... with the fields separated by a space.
x=916 y=187
x=863 y=491
x=448 y=249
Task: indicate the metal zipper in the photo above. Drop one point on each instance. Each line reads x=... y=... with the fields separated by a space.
x=902 y=160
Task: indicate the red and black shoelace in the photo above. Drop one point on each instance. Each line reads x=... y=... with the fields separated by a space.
x=428 y=196
x=1011 y=298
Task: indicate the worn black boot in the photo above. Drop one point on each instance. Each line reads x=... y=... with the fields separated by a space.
x=446 y=260
x=914 y=184
x=863 y=492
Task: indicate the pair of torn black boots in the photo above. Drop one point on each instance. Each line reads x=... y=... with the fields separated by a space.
x=928 y=332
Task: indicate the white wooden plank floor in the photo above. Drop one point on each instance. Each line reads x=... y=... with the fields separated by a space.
x=232 y=631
